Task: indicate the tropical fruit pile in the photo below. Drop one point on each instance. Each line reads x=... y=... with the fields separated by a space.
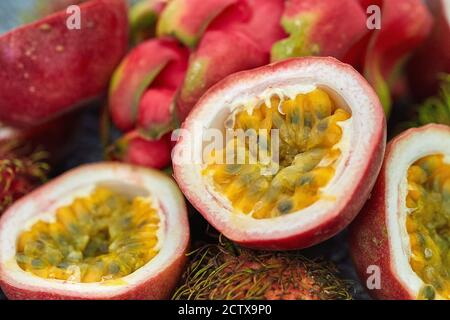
x=283 y=122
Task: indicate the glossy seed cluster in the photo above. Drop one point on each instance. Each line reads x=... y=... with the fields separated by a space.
x=308 y=132
x=100 y=237
x=428 y=222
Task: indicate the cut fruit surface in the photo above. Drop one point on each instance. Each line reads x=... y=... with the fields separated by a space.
x=301 y=142
x=404 y=227
x=102 y=231
x=102 y=236
x=428 y=221
x=309 y=129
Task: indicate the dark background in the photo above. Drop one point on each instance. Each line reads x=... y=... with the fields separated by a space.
x=85 y=147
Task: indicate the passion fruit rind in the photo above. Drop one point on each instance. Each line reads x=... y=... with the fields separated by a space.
x=286 y=231
x=229 y=272
x=407 y=243
x=70 y=239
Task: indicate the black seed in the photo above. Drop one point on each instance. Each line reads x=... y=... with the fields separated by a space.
x=295 y=119
x=113 y=268
x=427 y=292
x=322 y=126
x=306 y=179
x=37 y=263
x=308 y=120
x=233 y=168
x=285 y=206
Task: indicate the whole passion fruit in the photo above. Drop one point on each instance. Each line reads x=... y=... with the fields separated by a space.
x=102 y=231
x=283 y=156
x=400 y=242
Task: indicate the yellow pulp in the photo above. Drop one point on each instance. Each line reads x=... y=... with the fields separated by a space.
x=308 y=132
x=100 y=237
x=428 y=223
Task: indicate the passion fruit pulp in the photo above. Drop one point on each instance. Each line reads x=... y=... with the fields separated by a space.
x=101 y=231
x=309 y=127
x=100 y=237
x=428 y=221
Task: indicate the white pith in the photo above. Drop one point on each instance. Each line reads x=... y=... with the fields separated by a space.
x=344 y=87
x=407 y=152
x=41 y=205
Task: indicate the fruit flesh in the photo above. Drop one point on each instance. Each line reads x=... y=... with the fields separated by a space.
x=309 y=131
x=100 y=237
x=428 y=223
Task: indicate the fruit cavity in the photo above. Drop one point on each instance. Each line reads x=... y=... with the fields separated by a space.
x=428 y=223
x=309 y=127
x=99 y=237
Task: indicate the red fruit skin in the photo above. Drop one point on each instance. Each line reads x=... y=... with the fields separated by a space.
x=432 y=58
x=258 y=20
x=159 y=62
x=187 y=20
x=343 y=215
x=405 y=25
x=48 y=69
x=156 y=112
x=158 y=287
x=135 y=149
x=369 y=236
x=219 y=54
x=329 y=28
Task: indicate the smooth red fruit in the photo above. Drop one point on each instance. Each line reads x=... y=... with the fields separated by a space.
x=362 y=159
x=258 y=20
x=156 y=116
x=377 y=237
x=48 y=69
x=187 y=20
x=155 y=280
x=433 y=57
x=134 y=148
x=322 y=28
x=219 y=54
x=405 y=25
x=159 y=62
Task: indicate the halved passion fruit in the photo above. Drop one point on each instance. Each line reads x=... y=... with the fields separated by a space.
x=404 y=229
x=102 y=231
x=283 y=156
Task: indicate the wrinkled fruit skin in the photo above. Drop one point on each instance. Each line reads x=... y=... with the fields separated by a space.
x=135 y=149
x=34 y=87
x=433 y=57
x=154 y=286
x=369 y=236
x=316 y=36
x=160 y=62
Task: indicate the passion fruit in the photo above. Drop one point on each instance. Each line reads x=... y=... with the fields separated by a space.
x=102 y=231
x=403 y=231
x=316 y=138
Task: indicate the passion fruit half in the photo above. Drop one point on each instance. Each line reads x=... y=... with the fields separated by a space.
x=101 y=231
x=329 y=130
x=404 y=230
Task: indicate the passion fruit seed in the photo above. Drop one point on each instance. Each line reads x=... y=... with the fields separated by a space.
x=428 y=223
x=308 y=130
x=99 y=237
